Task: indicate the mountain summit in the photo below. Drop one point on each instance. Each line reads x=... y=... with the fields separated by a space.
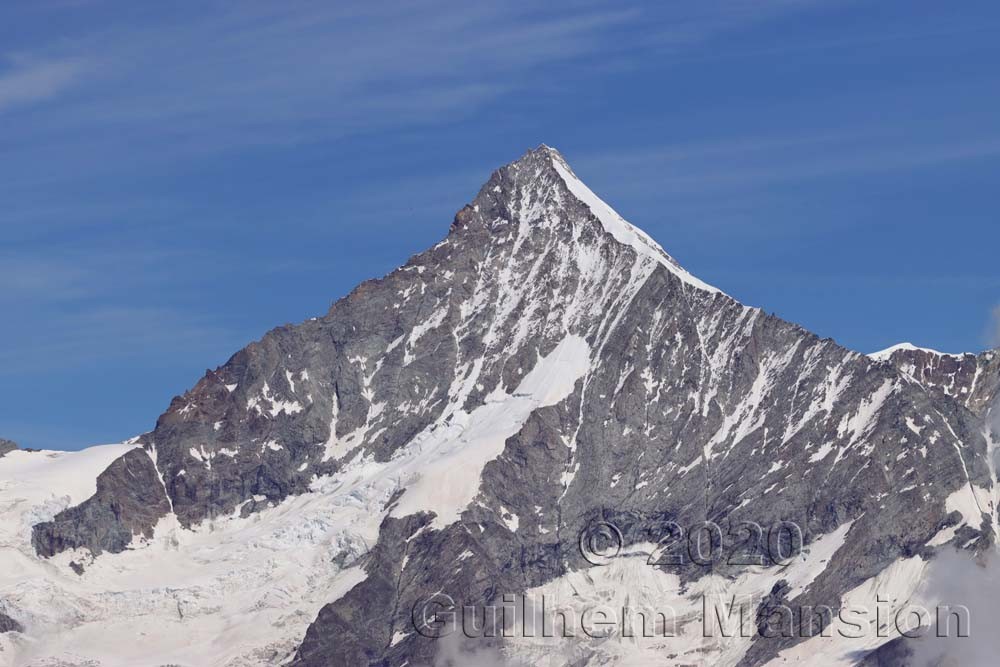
x=624 y=232
x=454 y=431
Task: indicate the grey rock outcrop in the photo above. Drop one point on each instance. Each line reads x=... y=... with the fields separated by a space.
x=8 y=624
x=971 y=379
x=129 y=501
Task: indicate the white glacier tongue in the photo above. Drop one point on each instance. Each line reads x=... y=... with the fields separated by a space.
x=623 y=231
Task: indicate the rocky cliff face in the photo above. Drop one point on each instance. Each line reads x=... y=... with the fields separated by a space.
x=128 y=503
x=967 y=378
x=544 y=369
x=7 y=624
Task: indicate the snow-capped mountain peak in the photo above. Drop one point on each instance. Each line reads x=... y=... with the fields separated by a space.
x=454 y=429
x=614 y=224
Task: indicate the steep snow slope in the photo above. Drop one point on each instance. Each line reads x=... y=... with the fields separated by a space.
x=623 y=231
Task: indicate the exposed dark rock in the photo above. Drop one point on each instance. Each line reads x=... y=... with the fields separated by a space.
x=970 y=379
x=6 y=446
x=8 y=624
x=128 y=503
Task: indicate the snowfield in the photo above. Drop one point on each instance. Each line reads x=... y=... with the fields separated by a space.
x=233 y=592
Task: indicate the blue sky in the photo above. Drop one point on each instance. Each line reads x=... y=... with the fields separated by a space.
x=176 y=180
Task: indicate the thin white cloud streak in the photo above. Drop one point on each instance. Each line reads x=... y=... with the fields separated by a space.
x=41 y=278
x=91 y=315
x=255 y=74
x=693 y=21
x=26 y=83
x=80 y=338
x=750 y=163
x=55 y=275
x=251 y=78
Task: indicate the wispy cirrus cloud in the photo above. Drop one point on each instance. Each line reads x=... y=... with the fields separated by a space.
x=148 y=335
x=72 y=308
x=250 y=74
x=746 y=163
x=258 y=73
x=27 y=82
